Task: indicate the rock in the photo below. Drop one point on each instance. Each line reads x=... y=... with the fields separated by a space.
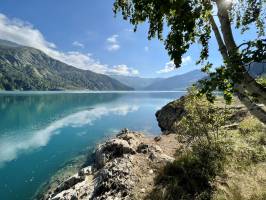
x=143 y=148
x=160 y=157
x=73 y=180
x=157 y=138
x=85 y=171
x=123 y=132
x=112 y=149
x=170 y=115
x=117 y=171
x=114 y=180
x=66 y=195
x=157 y=148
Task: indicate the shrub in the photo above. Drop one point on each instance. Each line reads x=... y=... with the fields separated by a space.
x=250 y=125
x=190 y=177
x=202 y=120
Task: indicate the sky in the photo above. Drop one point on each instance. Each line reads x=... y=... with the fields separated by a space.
x=85 y=34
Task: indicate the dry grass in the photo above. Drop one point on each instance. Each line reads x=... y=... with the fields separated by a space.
x=246 y=173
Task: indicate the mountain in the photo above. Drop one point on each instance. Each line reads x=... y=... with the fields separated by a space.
x=257 y=69
x=137 y=83
x=179 y=82
x=26 y=68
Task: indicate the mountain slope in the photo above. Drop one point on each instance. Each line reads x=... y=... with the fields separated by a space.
x=26 y=68
x=137 y=83
x=179 y=82
x=257 y=69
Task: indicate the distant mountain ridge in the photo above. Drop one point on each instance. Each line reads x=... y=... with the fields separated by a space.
x=178 y=82
x=138 y=83
x=257 y=69
x=26 y=68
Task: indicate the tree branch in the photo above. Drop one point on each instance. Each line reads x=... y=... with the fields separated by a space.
x=222 y=47
x=248 y=82
x=226 y=26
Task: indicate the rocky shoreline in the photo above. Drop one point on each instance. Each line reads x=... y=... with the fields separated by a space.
x=124 y=168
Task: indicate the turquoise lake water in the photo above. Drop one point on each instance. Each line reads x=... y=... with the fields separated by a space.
x=39 y=131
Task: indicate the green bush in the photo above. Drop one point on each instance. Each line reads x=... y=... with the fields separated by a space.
x=191 y=176
x=209 y=153
x=203 y=121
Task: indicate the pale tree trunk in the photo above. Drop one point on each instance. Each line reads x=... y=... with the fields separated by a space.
x=228 y=46
x=255 y=109
x=248 y=81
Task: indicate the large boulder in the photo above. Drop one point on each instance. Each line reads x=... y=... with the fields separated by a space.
x=114 y=179
x=124 y=143
x=169 y=116
x=70 y=182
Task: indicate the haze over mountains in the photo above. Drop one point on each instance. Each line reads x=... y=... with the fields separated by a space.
x=26 y=68
x=178 y=82
x=135 y=82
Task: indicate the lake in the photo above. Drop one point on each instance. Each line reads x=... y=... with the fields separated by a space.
x=40 y=131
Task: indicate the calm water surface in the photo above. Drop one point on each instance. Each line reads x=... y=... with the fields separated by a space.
x=39 y=131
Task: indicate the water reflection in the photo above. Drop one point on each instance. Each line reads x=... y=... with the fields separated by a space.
x=11 y=147
x=22 y=111
x=41 y=132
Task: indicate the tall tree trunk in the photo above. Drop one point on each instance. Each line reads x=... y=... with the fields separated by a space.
x=255 y=109
x=229 y=43
x=248 y=81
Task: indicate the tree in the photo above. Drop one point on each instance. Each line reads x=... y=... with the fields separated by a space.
x=191 y=21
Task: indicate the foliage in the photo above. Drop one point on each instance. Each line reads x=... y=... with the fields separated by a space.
x=191 y=175
x=262 y=80
x=250 y=126
x=249 y=142
x=202 y=120
x=215 y=162
x=185 y=22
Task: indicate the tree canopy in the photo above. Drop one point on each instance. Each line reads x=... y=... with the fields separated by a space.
x=193 y=21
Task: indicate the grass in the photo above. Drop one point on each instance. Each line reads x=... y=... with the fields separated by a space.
x=229 y=167
x=262 y=80
x=245 y=174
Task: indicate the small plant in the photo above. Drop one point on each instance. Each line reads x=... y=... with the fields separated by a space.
x=203 y=120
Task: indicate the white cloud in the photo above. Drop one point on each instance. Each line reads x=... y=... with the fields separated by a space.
x=124 y=70
x=112 y=43
x=170 y=66
x=78 y=44
x=24 y=33
x=12 y=146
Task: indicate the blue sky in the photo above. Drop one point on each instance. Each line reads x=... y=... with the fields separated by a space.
x=85 y=34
